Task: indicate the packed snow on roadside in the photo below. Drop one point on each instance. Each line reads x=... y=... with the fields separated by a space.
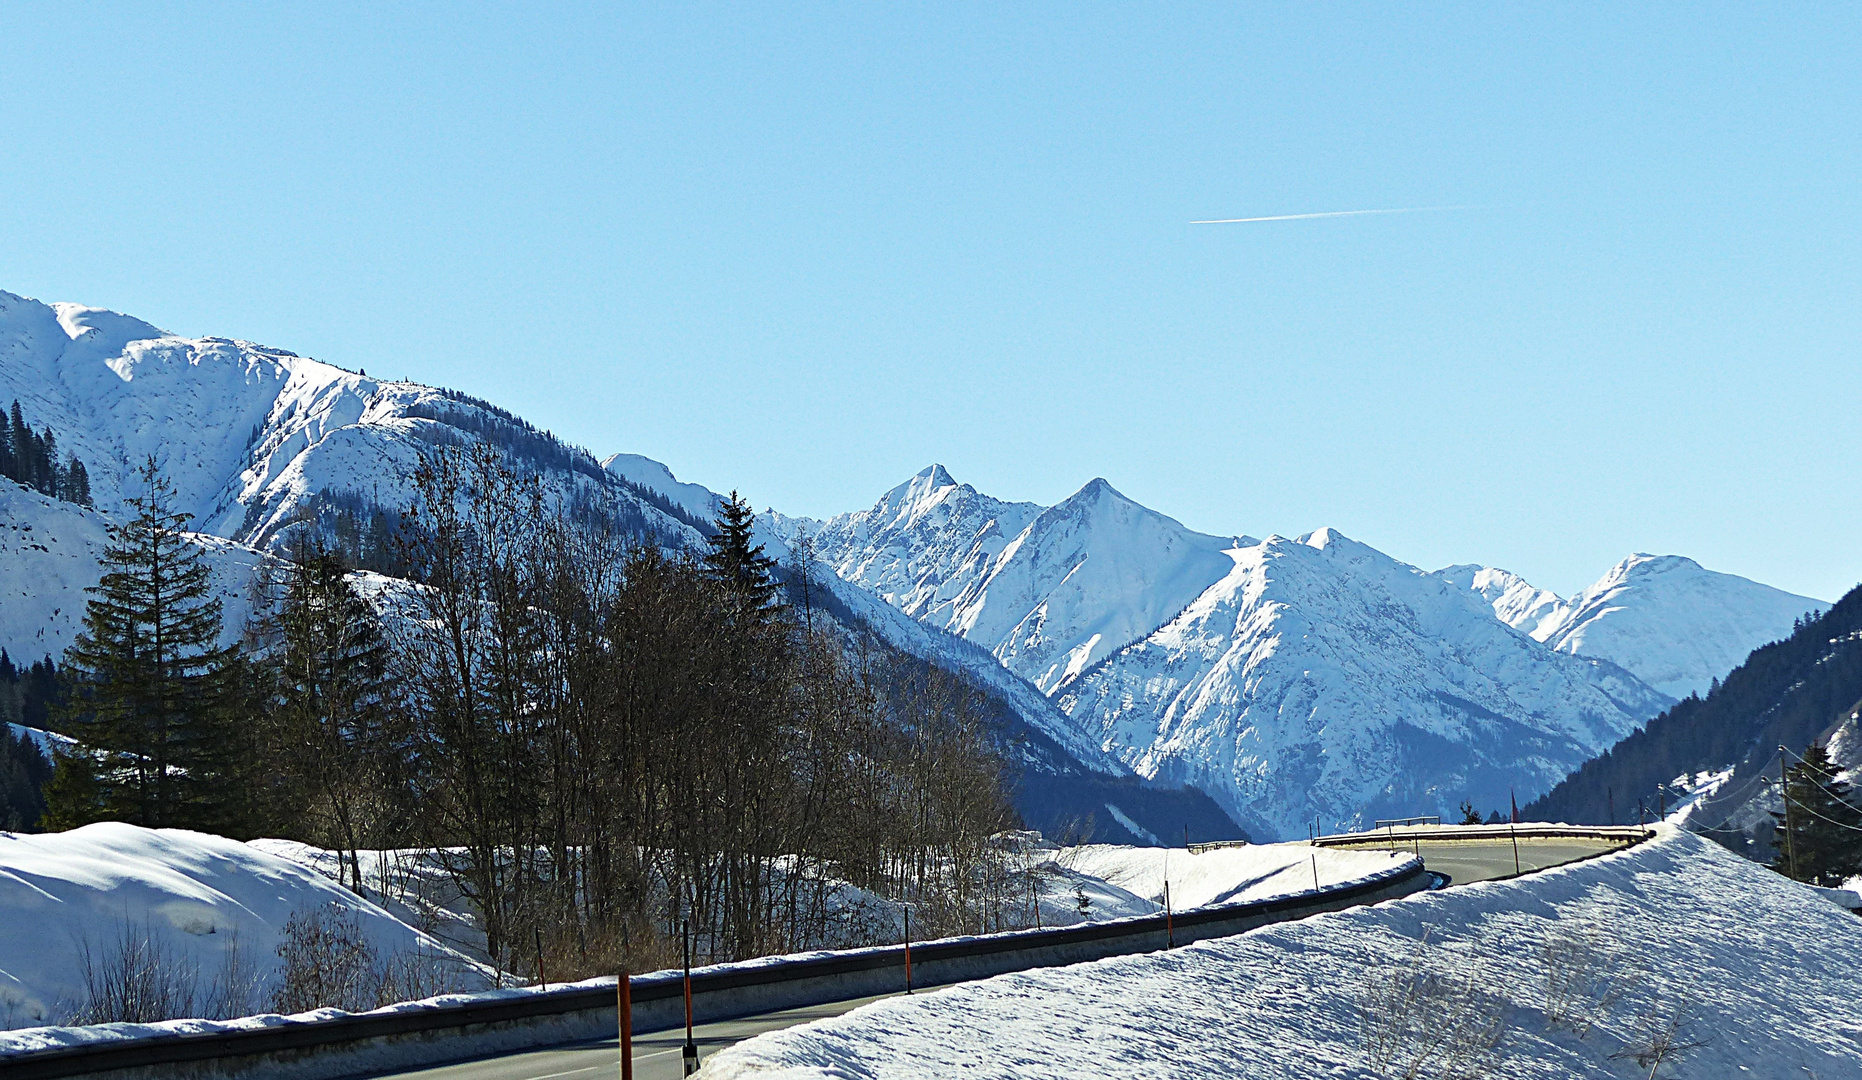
x=1227 y=875
x=198 y=897
x=1580 y=971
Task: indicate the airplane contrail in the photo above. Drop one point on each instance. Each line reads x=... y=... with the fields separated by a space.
x=1329 y=213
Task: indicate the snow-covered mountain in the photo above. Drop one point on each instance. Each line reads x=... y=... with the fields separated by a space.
x=1296 y=679
x=254 y=438
x=1291 y=678
x=1669 y=620
x=1048 y=591
x=251 y=437
x=1322 y=679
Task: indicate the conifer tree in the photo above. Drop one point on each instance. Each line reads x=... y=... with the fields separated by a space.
x=327 y=724
x=735 y=560
x=152 y=689
x=1825 y=828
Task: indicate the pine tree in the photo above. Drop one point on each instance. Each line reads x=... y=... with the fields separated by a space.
x=326 y=721
x=736 y=561
x=78 y=481
x=1825 y=828
x=152 y=688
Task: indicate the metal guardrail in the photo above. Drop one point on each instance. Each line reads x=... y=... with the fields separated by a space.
x=1627 y=834
x=307 y=1036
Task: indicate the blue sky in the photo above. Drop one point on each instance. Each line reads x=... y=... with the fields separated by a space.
x=805 y=252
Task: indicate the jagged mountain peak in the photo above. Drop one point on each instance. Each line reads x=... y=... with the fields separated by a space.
x=1666 y=618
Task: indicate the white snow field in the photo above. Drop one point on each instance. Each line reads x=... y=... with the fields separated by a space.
x=195 y=895
x=1579 y=971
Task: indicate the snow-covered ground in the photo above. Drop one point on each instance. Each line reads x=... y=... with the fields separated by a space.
x=195 y=896
x=1580 y=971
x=1230 y=875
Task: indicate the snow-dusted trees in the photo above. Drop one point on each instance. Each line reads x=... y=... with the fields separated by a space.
x=153 y=691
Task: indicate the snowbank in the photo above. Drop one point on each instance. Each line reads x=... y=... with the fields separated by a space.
x=195 y=894
x=1583 y=967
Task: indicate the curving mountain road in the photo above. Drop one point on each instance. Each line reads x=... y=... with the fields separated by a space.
x=656 y=1055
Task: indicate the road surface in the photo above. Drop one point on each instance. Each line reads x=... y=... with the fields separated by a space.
x=656 y=1056
x=1464 y=861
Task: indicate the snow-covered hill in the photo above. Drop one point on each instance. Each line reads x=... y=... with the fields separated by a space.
x=1669 y=620
x=203 y=901
x=1583 y=971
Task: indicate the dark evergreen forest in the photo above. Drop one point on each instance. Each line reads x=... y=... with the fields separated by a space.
x=31 y=458
x=1788 y=693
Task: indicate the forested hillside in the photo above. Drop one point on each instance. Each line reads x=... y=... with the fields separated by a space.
x=1789 y=693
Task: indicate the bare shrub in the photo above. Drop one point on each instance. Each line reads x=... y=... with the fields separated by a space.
x=234 y=991
x=327 y=962
x=135 y=978
x=1660 y=1036
x=1417 y=1022
x=1583 y=978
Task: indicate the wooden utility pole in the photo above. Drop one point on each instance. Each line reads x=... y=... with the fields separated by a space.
x=1784 y=792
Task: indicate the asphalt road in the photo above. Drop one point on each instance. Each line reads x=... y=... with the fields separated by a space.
x=1464 y=861
x=656 y=1056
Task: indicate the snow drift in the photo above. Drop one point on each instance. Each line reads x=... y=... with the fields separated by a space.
x=197 y=896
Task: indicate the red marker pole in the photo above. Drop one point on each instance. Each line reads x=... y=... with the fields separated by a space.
x=624 y=1017
x=689 y=1052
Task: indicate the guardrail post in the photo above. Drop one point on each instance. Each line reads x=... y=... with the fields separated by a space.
x=908 y=947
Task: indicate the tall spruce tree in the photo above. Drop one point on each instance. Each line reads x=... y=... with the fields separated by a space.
x=152 y=691
x=326 y=725
x=1824 y=840
x=736 y=561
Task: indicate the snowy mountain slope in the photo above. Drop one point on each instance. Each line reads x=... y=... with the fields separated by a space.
x=1322 y=678
x=49 y=554
x=251 y=437
x=1670 y=621
x=1048 y=591
x=694 y=499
